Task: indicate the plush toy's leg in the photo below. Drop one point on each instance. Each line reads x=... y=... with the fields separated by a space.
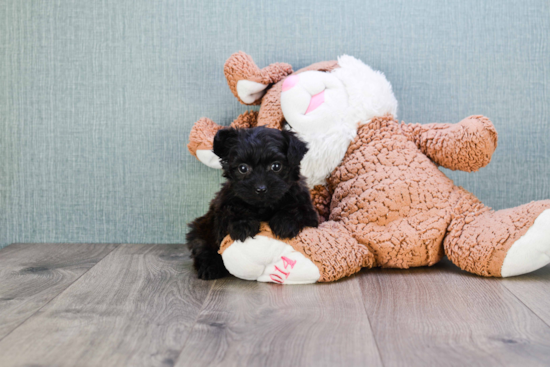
x=334 y=250
x=322 y=254
x=201 y=138
x=499 y=244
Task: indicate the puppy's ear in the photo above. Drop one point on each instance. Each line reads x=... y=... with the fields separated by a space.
x=296 y=148
x=224 y=141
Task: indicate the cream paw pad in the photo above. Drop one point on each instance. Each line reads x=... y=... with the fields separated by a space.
x=531 y=251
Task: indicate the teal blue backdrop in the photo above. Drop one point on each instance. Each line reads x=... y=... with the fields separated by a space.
x=97 y=98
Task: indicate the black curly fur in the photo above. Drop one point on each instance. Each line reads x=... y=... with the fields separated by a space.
x=262 y=194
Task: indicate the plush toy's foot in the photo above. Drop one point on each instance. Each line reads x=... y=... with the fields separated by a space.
x=531 y=251
x=504 y=243
x=267 y=259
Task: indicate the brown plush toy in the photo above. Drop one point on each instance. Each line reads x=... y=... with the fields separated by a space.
x=373 y=180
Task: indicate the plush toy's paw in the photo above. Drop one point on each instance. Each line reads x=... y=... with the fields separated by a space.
x=313 y=100
x=200 y=142
x=243 y=229
x=266 y=259
x=209 y=158
x=531 y=251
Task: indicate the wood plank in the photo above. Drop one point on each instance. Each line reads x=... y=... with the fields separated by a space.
x=134 y=308
x=444 y=316
x=533 y=290
x=257 y=324
x=31 y=275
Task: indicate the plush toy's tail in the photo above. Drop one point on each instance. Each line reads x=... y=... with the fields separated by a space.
x=499 y=243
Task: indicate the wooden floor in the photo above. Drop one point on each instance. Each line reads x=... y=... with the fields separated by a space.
x=141 y=305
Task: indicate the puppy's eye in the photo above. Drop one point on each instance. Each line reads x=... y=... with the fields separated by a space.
x=276 y=167
x=243 y=168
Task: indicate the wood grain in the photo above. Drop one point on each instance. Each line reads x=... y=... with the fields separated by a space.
x=135 y=308
x=533 y=290
x=142 y=305
x=444 y=316
x=31 y=275
x=257 y=324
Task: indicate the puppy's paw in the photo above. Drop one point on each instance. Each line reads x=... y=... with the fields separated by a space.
x=211 y=270
x=284 y=226
x=311 y=220
x=241 y=230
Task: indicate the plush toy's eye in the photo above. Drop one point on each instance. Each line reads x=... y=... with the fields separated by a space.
x=276 y=167
x=243 y=168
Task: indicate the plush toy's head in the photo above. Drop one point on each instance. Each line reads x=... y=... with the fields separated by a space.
x=324 y=103
x=261 y=163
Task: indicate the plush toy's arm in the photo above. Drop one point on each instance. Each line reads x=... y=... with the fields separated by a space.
x=466 y=146
x=201 y=138
x=321 y=197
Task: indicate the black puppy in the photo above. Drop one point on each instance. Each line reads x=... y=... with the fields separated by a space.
x=262 y=167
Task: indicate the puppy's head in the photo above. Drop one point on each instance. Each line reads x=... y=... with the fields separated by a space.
x=261 y=163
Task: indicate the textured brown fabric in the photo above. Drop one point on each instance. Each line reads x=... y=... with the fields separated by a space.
x=479 y=238
x=395 y=201
x=333 y=250
x=202 y=135
x=240 y=66
x=466 y=146
x=320 y=197
x=391 y=197
x=271 y=114
x=245 y=120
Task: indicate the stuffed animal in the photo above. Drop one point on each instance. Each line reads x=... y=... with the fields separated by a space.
x=374 y=181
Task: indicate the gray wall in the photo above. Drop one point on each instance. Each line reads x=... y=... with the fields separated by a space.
x=97 y=97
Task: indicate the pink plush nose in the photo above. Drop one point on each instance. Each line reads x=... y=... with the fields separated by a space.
x=290 y=82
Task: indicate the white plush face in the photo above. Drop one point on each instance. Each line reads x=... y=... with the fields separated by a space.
x=326 y=109
x=313 y=101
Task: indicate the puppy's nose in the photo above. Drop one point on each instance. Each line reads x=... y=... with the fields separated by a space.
x=261 y=189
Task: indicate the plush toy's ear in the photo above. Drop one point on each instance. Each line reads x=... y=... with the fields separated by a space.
x=247 y=82
x=296 y=150
x=224 y=141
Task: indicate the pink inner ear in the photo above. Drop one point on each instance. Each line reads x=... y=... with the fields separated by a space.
x=290 y=82
x=316 y=101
